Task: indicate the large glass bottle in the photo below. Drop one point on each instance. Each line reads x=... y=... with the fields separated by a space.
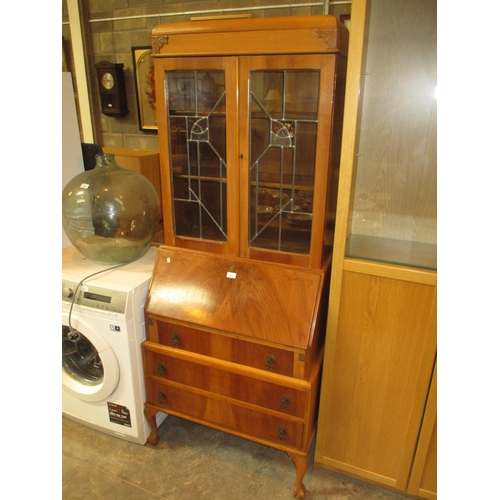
x=110 y=213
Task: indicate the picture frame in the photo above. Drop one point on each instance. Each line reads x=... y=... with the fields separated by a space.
x=345 y=19
x=145 y=87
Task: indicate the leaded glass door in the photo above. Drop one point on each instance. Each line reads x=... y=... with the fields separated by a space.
x=246 y=152
x=197 y=100
x=289 y=118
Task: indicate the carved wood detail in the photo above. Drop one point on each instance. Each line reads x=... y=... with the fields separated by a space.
x=332 y=38
x=157 y=42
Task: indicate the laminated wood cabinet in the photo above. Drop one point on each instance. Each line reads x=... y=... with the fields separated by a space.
x=236 y=344
x=377 y=415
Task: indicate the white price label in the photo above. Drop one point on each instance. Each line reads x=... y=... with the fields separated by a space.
x=231 y=275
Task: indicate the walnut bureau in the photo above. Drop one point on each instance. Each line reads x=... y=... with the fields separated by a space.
x=236 y=344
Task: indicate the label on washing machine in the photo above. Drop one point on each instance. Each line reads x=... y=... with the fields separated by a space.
x=119 y=414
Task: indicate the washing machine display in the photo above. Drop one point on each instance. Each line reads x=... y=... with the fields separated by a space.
x=102 y=331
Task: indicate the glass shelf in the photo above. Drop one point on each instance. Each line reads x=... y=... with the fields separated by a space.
x=391 y=251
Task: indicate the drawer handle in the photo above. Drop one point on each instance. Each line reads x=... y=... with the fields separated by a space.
x=176 y=339
x=161 y=369
x=282 y=433
x=285 y=403
x=162 y=397
x=270 y=360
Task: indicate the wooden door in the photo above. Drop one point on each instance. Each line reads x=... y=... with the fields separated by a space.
x=423 y=479
x=376 y=388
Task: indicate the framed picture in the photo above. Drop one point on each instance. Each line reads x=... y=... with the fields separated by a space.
x=346 y=20
x=145 y=88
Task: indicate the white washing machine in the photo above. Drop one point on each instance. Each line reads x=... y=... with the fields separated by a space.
x=102 y=369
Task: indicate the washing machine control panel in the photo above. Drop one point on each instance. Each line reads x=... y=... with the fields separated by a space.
x=94 y=296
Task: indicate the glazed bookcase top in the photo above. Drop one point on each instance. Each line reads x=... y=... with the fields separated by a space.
x=262 y=100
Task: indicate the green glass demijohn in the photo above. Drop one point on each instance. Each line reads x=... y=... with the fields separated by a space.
x=110 y=213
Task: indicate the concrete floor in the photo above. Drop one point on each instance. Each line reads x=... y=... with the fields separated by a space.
x=191 y=462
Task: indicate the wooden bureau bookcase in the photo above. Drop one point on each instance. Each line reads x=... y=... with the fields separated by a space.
x=249 y=127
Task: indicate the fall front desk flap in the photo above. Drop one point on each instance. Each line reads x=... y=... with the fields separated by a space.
x=266 y=301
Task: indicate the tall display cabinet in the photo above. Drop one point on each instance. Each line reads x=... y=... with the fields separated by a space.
x=377 y=419
x=249 y=126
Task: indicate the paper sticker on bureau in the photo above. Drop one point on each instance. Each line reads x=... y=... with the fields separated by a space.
x=119 y=414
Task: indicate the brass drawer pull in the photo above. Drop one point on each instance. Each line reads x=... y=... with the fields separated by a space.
x=270 y=360
x=176 y=339
x=285 y=403
x=282 y=433
x=161 y=369
x=162 y=397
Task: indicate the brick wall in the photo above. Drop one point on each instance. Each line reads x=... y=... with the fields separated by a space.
x=112 y=39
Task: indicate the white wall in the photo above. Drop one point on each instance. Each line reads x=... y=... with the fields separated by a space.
x=72 y=157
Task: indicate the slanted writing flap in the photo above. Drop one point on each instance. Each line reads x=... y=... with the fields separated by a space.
x=261 y=300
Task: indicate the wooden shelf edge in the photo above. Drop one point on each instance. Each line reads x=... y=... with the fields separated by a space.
x=422 y=276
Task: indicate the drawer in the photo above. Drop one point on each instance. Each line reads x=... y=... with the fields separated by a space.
x=227 y=380
x=224 y=415
x=227 y=348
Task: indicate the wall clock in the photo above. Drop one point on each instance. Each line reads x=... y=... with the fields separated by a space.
x=112 y=88
x=107 y=80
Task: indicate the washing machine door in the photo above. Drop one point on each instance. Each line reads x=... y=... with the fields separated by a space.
x=90 y=369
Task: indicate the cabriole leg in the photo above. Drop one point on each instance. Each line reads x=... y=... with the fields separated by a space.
x=301 y=462
x=150 y=415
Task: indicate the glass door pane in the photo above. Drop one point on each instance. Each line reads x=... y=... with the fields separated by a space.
x=196 y=114
x=393 y=218
x=283 y=134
